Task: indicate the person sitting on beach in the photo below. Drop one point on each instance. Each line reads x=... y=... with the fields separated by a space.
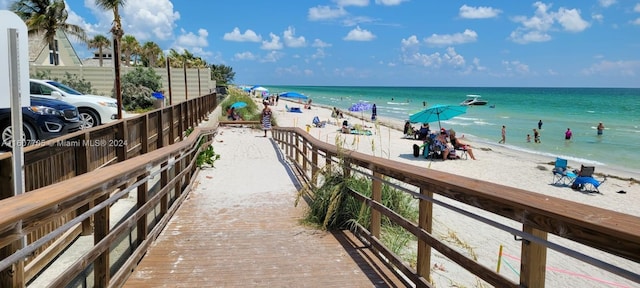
x=308 y=105
x=459 y=145
x=230 y=113
x=442 y=142
x=345 y=127
x=408 y=131
x=424 y=131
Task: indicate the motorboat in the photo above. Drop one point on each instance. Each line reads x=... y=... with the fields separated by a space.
x=474 y=100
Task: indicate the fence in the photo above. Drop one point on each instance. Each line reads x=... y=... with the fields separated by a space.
x=79 y=153
x=198 y=81
x=538 y=216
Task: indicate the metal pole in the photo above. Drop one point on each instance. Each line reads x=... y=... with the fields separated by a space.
x=16 y=113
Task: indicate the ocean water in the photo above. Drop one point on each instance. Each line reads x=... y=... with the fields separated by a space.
x=519 y=109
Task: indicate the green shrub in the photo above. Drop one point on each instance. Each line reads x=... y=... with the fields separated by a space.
x=137 y=86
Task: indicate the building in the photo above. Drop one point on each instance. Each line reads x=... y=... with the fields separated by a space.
x=42 y=54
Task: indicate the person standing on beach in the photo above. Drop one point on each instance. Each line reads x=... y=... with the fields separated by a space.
x=265 y=119
x=277 y=98
x=536 y=135
x=539 y=124
x=600 y=128
x=374 y=112
x=568 y=134
x=504 y=135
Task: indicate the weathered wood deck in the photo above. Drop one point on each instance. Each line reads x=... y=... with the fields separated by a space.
x=248 y=233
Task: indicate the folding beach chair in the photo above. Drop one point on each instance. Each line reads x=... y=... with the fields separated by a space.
x=561 y=174
x=585 y=181
x=317 y=123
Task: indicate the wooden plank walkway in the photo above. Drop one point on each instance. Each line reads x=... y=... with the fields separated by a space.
x=244 y=231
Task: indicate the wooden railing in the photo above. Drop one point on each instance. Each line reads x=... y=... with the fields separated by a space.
x=85 y=151
x=97 y=191
x=609 y=231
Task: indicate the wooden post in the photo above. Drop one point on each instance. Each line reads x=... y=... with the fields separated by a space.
x=169 y=80
x=144 y=135
x=425 y=222
x=143 y=197
x=101 y=264
x=314 y=165
x=186 y=91
x=297 y=149
x=305 y=152
x=376 y=195
x=82 y=166
x=534 y=260
x=120 y=140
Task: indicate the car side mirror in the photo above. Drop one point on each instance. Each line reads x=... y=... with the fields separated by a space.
x=56 y=94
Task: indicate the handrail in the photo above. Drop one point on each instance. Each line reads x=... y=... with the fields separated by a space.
x=96 y=186
x=592 y=226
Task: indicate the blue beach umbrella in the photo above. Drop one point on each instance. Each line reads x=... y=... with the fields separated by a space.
x=294 y=95
x=238 y=105
x=437 y=113
x=359 y=107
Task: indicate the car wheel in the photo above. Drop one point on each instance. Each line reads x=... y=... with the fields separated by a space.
x=6 y=135
x=88 y=118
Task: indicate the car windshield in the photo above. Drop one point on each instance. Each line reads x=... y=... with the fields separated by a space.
x=64 y=88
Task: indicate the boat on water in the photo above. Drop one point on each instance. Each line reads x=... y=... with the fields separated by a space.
x=473 y=100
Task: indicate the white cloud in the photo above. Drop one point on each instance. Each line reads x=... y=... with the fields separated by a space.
x=607 y=3
x=452 y=39
x=147 y=19
x=637 y=8
x=636 y=22
x=244 y=56
x=274 y=44
x=273 y=56
x=345 y=3
x=390 y=2
x=478 y=12
x=291 y=41
x=570 y=20
x=320 y=44
x=597 y=17
x=193 y=40
x=450 y=58
x=523 y=37
x=536 y=28
x=358 y=34
x=611 y=68
x=516 y=67
x=247 y=36
x=319 y=13
x=409 y=43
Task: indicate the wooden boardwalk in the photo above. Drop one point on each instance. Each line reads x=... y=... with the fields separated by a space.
x=248 y=233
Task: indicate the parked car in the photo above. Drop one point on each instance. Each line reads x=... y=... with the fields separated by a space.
x=43 y=120
x=94 y=110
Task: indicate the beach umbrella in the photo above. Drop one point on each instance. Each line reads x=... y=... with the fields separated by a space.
x=295 y=95
x=374 y=112
x=437 y=113
x=259 y=89
x=238 y=105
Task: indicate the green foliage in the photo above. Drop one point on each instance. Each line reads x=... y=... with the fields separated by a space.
x=207 y=157
x=331 y=207
x=250 y=113
x=80 y=84
x=137 y=86
x=222 y=74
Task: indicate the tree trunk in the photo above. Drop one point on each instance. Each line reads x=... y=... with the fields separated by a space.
x=100 y=55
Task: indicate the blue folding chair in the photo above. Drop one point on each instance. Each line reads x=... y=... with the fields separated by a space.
x=561 y=174
x=584 y=181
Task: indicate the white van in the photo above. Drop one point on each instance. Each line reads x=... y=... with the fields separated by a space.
x=94 y=110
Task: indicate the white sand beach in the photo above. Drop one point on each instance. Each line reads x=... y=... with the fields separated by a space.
x=496 y=164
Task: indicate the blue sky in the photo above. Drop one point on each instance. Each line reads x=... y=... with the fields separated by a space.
x=575 y=43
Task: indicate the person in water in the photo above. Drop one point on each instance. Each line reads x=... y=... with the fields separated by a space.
x=600 y=129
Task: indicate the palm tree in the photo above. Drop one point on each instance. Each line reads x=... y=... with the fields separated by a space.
x=117 y=32
x=150 y=53
x=99 y=42
x=222 y=74
x=130 y=46
x=46 y=17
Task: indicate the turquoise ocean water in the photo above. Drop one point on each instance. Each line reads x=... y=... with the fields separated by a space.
x=519 y=109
